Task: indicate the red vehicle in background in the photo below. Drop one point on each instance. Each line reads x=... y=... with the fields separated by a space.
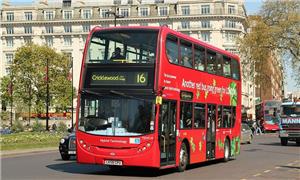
x=268 y=113
x=153 y=97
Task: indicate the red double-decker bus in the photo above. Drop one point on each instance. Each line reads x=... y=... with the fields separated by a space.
x=153 y=97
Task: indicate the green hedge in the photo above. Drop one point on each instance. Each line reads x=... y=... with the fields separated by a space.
x=28 y=140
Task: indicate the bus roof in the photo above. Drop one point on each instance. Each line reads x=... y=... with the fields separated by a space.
x=290 y=103
x=193 y=40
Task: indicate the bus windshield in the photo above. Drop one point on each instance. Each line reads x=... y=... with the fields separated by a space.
x=292 y=111
x=116 y=115
x=122 y=46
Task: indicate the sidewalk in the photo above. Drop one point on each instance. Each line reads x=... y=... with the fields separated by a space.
x=10 y=153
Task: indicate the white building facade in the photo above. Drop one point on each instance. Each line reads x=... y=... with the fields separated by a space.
x=64 y=25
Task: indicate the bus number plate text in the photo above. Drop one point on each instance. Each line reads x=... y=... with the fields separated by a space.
x=113 y=162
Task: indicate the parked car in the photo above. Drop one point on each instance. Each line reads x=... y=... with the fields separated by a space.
x=246 y=134
x=67 y=146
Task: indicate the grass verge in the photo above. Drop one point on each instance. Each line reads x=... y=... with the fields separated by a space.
x=29 y=140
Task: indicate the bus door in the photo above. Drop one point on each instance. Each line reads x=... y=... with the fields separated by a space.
x=167 y=132
x=211 y=131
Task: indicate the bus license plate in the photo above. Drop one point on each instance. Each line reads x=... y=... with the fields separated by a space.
x=72 y=152
x=113 y=162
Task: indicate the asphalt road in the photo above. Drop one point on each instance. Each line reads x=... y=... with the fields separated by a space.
x=264 y=159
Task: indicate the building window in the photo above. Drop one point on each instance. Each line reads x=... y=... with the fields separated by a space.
x=28 y=16
x=205 y=24
x=49 y=29
x=230 y=37
x=205 y=36
x=185 y=10
x=68 y=28
x=9 y=58
x=27 y=40
x=84 y=38
x=185 y=24
x=231 y=9
x=205 y=9
x=49 y=15
x=143 y=24
x=7 y=71
x=67 y=3
x=124 y=12
x=28 y=29
x=104 y=13
x=163 y=11
x=86 y=28
x=67 y=14
x=49 y=41
x=9 y=30
x=144 y=11
x=86 y=13
x=67 y=40
x=10 y=42
x=230 y=24
x=10 y=16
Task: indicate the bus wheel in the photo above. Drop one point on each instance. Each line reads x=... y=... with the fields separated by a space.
x=183 y=158
x=226 y=151
x=283 y=141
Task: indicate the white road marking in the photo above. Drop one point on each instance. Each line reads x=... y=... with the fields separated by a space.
x=258 y=174
x=266 y=171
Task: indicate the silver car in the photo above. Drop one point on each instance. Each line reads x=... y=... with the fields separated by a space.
x=246 y=135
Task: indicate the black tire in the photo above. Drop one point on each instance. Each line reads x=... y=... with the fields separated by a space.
x=183 y=158
x=284 y=141
x=226 y=151
x=250 y=139
x=298 y=142
x=65 y=157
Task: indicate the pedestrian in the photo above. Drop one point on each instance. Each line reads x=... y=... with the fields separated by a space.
x=257 y=128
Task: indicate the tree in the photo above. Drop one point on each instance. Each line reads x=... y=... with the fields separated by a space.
x=274 y=33
x=29 y=79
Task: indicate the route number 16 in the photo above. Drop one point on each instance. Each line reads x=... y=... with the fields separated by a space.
x=141 y=79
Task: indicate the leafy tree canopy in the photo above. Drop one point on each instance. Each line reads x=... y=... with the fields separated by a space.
x=275 y=32
x=29 y=79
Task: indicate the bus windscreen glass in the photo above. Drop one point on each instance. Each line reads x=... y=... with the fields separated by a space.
x=116 y=116
x=122 y=46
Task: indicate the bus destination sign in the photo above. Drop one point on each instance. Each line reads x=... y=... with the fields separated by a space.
x=119 y=78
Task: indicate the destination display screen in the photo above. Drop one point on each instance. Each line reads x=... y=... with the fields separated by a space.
x=119 y=78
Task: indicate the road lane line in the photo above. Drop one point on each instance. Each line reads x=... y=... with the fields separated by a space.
x=266 y=171
x=277 y=167
x=290 y=164
x=243 y=179
x=258 y=174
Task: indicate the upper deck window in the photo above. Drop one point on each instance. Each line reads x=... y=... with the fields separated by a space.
x=122 y=46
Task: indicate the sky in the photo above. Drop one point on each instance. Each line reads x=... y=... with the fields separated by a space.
x=252 y=7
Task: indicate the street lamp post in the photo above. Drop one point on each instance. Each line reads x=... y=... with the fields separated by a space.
x=115 y=16
x=72 y=110
x=47 y=93
x=11 y=98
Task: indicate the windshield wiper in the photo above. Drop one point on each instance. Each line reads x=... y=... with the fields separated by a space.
x=91 y=92
x=127 y=96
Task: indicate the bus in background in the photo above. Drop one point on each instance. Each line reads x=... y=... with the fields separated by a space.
x=289 y=123
x=153 y=97
x=268 y=111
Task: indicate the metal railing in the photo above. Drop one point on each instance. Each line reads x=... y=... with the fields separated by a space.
x=133 y=14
